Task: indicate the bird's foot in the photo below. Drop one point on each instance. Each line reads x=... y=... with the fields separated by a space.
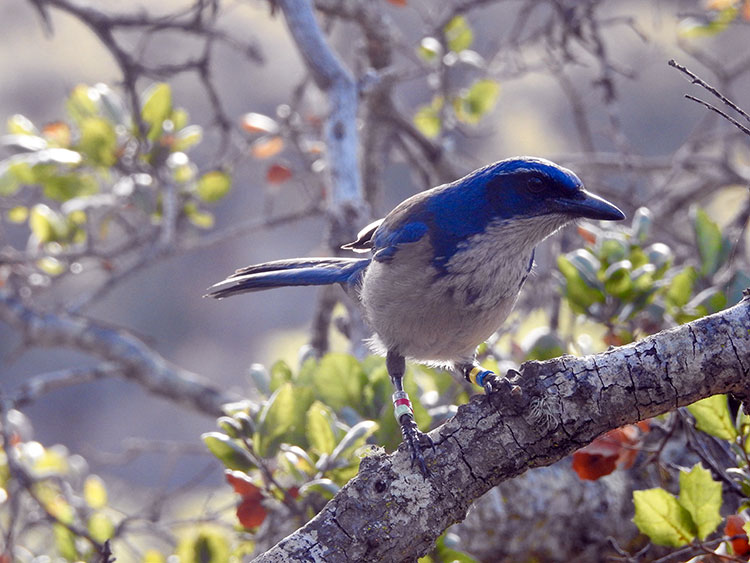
x=489 y=380
x=415 y=440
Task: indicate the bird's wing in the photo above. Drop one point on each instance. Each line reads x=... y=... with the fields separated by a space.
x=364 y=238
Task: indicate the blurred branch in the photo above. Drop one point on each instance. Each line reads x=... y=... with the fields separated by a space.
x=555 y=407
x=346 y=206
x=137 y=361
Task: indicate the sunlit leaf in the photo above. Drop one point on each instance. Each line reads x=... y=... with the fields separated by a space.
x=681 y=287
x=712 y=417
x=18 y=214
x=430 y=49
x=266 y=147
x=660 y=516
x=258 y=123
x=458 y=34
x=46 y=224
x=20 y=125
x=101 y=527
x=428 y=119
x=477 y=101
x=51 y=266
x=227 y=450
x=157 y=107
x=701 y=497
x=98 y=141
x=319 y=428
x=199 y=218
x=213 y=185
x=95 y=492
x=187 y=137
x=282 y=419
x=81 y=104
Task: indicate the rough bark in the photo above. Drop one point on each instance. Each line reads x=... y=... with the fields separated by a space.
x=390 y=513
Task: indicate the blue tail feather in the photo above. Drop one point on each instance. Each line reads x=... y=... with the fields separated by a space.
x=281 y=273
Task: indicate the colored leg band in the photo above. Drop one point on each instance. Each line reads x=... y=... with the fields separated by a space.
x=402 y=405
x=477 y=375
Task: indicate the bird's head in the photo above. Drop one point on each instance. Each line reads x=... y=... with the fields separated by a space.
x=528 y=187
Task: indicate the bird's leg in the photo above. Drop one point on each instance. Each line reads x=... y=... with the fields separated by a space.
x=415 y=440
x=488 y=380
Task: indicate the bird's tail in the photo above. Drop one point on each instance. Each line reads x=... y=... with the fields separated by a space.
x=298 y=271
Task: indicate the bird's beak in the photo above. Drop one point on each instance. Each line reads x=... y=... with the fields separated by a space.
x=590 y=206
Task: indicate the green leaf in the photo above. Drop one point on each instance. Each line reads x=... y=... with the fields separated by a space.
x=710 y=242
x=156 y=108
x=353 y=439
x=46 y=224
x=21 y=125
x=101 y=527
x=198 y=217
x=282 y=419
x=187 y=138
x=231 y=454
x=580 y=295
x=95 y=492
x=660 y=516
x=681 y=287
x=18 y=214
x=458 y=34
x=712 y=417
x=319 y=427
x=208 y=545
x=280 y=373
x=428 y=121
x=98 y=141
x=701 y=497
x=81 y=104
x=692 y=28
x=477 y=101
x=65 y=542
x=213 y=185
x=338 y=380
x=429 y=49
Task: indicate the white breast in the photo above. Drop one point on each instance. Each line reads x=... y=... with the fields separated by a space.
x=441 y=319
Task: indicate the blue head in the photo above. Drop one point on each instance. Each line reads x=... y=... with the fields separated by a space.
x=516 y=188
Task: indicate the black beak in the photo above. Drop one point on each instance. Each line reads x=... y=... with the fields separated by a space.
x=590 y=206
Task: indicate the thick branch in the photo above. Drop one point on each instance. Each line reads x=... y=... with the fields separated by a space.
x=390 y=513
x=345 y=193
x=137 y=361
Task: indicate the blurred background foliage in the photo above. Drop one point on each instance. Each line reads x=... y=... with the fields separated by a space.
x=148 y=151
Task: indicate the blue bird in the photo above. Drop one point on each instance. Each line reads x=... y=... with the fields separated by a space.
x=444 y=268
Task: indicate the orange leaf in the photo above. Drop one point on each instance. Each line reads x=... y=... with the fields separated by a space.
x=266 y=147
x=58 y=132
x=259 y=123
x=616 y=448
x=278 y=174
x=734 y=528
x=243 y=485
x=399 y=3
x=590 y=467
x=251 y=513
x=586 y=235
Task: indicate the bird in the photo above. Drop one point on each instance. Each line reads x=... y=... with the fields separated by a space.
x=444 y=269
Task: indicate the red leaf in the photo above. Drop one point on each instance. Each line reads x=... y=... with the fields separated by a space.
x=278 y=174
x=734 y=528
x=243 y=485
x=590 y=467
x=399 y=3
x=586 y=235
x=251 y=512
x=293 y=492
x=616 y=448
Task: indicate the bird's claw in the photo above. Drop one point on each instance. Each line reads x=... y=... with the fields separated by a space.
x=416 y=441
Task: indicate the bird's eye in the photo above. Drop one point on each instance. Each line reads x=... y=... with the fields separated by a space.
x=535 y=184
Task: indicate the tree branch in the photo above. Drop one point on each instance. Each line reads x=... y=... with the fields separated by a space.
x=136 y=360
x=390 y=513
